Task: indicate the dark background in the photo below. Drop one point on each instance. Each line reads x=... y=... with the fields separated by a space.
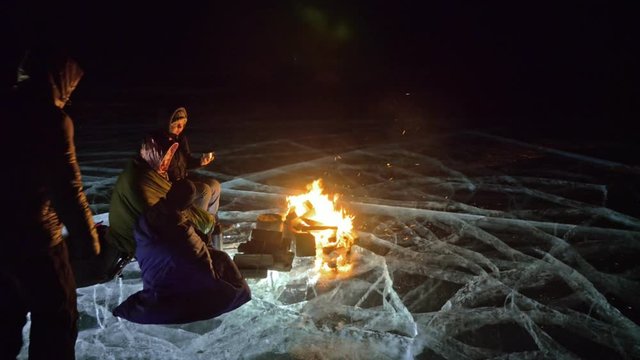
x=564 y=66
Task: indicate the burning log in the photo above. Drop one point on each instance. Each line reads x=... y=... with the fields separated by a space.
x=302 y=227
x=313 y=227
x=320 y=229
x=305 y=244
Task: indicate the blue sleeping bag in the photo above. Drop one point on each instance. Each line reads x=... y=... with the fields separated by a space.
x=183 y=279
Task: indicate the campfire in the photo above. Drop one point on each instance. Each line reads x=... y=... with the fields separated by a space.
x=314 y=227
x=330 y=228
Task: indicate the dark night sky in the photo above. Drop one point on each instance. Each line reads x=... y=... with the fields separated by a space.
x=483 y=60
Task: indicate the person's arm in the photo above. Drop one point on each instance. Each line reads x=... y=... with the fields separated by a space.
x=150 y=187
x=67 y=196
x=187 y=244
x=193 y=162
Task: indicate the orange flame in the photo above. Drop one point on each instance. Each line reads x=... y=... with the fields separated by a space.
x=315 y=208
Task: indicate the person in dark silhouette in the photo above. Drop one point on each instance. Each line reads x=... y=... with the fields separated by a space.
x=184 y=280
x=44 y=192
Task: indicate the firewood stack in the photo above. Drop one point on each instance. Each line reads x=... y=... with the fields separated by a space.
x=267 y=249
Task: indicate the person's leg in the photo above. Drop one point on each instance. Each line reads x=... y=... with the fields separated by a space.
x=51 y=288
x=208 y=198
x=214 y=201
x=207 y=193
x=203 y=195
x=13 y=312
x=213 y=206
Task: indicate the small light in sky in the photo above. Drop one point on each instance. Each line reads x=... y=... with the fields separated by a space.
x=407 y=94
x=404 y=131
x=388 y=164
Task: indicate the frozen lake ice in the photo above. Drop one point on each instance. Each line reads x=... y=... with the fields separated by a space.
x=471 y=246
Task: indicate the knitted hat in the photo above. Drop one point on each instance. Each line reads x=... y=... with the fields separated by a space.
x=181 y=194
x=178 y=114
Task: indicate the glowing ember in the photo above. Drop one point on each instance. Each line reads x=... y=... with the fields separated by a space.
x=331 y=227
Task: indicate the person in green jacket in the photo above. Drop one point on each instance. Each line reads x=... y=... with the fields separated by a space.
x=141 y=184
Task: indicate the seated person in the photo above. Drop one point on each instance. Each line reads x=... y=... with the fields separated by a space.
x=184 y=280
x=142 y=183
x=207 y=189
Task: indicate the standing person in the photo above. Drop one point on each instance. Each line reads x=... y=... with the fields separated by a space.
x=183 y=279
x=44 y=191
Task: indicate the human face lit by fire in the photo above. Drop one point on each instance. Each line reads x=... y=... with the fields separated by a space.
x=177 y=126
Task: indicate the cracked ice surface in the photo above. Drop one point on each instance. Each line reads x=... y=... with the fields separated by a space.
x=470 y=246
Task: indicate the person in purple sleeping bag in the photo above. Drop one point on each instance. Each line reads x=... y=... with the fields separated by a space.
x=184 y=280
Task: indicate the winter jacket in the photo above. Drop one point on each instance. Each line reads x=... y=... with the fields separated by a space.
x=181 y=282
x=183 y=160
x=137 y=188
x=42 y=177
